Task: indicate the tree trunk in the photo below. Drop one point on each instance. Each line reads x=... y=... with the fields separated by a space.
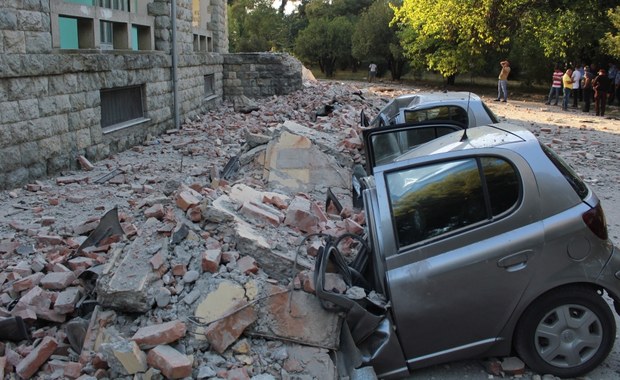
x=396 y=68
x=282 y=6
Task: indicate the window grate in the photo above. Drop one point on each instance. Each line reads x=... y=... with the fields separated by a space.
x=119 y=105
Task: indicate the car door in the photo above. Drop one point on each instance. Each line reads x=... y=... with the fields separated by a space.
x=460 y=236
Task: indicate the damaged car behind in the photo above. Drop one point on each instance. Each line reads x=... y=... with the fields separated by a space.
x=480 y=243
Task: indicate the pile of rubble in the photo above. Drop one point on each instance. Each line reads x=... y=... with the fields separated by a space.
x=186 y=257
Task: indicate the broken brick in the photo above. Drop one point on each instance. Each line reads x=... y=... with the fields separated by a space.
x=27 y=282
x=224 y=332
x=211 y=260
x=155 y=335
x=171 y=363
x=57 y=280
x=185 y=200
x=31 y=363
x=247 y=265
x=156 y=211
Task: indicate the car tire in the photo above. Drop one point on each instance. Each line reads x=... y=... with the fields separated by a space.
x=567 y=332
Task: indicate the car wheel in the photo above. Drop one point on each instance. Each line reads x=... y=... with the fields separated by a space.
x=566 y=333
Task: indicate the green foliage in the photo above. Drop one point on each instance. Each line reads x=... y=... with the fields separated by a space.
x=375 y=40
x=254 y=25
x=325 y=42
x=611 y=41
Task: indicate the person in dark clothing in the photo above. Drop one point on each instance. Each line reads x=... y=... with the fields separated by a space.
x=586 y=88
x=601 y=85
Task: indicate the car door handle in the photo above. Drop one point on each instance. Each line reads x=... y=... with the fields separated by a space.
x=515 y=261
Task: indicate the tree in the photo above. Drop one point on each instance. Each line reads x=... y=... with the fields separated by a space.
x=451 y=36
x=374 y=39
x=254 y=25
x=611 y=40
x=325 y=41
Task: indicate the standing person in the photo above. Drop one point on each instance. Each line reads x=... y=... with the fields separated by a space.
x=372 y=72
x=568 y=86
x=601 y=85
x=502 y=83
x=586 y=88
x=556 y=85
x=576 y=93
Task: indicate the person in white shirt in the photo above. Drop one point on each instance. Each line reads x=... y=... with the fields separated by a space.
x=576 y=78
x=372 y=72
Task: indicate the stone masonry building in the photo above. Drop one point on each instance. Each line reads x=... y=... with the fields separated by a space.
x=94 y=77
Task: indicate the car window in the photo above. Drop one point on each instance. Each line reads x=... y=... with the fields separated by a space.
x=386 y=146
x=435 y=199
x=492 y=116
x=573 y=178
x=454 y=113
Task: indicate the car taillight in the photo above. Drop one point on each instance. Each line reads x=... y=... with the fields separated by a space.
x=595 y=220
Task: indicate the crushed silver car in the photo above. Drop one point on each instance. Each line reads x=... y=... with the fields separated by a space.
x=480 y=243
x=465 y=108
x=414 y=119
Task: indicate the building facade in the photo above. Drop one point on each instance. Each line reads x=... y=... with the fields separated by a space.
x=94 y=77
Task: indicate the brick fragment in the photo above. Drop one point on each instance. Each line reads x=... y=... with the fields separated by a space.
x=194 y=214
x=185 y=200
x=171 y=363
x=155 y=335
x=262 y=212
x=67 y=299
x=211 y=259
x=247 y=265
x=28 y=282
x=156 y=211
x=57 y=280
x=179 y=269
x=39 y=355
x=73 y=370
x=224 y=332
x=85 y=164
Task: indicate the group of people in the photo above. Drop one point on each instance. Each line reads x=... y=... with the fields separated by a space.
x=582 y=83
x=585 y=83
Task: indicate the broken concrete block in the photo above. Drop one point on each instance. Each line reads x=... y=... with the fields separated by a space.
x=294 y=163
x=125 y=357
x=154 y=335
x=262 y=212
x=126 y=280
x=298 y=317
x=29 y=365
x=224 y=332
x=217 y=302
x=311 y=362
x=210 y=260
x=57 y=280
x=171 y=363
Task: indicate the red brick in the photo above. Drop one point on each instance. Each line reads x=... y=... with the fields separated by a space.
x=353 y=227
x=157 y=260
x=238 y=374
x=230 y=257
x=211 y=260
x=156 y=211
x=49 y=239
x=179 y=269
x=247 y=265
x=28 y=282
x=80 y=263
x=224 y=332
x=57 y=280
x=276 y=201
x=299 y=215
x=39 y=355
x=194 y=214
x=185 y=200
x=171 y=363
x=73 y=370
x=155 y=335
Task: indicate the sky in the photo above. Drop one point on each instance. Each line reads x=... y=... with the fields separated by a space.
x=290 y=6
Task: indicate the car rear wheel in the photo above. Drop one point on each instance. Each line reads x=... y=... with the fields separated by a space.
x=566 y=333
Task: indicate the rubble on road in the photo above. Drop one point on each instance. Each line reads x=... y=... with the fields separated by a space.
x=179 y=257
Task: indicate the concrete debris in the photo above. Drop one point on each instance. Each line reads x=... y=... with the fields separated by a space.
x=188 y=273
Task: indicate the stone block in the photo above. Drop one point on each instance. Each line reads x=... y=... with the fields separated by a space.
x=154 y=335
x=29 y=365
x=224 y=332
x=171 y=363
x=125 y=282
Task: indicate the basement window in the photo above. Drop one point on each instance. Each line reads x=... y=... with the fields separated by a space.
x=122 y=107
x=209 y=85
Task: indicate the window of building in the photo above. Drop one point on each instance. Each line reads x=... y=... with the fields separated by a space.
x=121 y=107
x=209 y=85
x=439 y=198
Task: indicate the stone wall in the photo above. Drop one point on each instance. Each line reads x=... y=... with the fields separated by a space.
x=50 y=104
x=258 y=75
x=50 y=98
